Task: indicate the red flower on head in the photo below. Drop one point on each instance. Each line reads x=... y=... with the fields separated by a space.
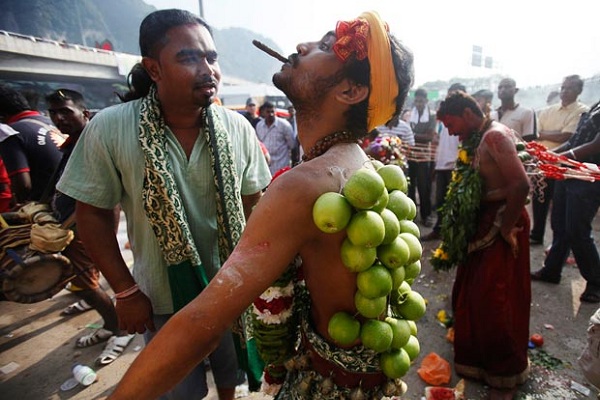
x=351 y=39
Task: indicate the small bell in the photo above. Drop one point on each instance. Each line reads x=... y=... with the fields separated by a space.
x=389 y=389
x=357 y=394
x=303 y=362
x=401 y=387
x=290 y=364
x=326 y=385
x=305 y=384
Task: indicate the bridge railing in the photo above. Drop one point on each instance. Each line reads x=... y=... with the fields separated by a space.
x=62 y=44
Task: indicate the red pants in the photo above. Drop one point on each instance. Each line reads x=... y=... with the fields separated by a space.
x=491 y=300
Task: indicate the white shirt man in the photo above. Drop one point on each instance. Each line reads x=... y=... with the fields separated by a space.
x=519 y=118
x=278 y=137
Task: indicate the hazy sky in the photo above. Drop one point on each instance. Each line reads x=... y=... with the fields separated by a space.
x=533 y=41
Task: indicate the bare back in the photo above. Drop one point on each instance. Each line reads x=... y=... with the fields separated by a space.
x=499 y=164
x=288 y=204
x=331 y=285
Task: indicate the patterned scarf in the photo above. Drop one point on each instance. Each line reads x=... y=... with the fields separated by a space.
x=164 y=206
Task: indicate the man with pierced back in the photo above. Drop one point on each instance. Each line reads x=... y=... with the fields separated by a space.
x=492 y=291
x=352 y=80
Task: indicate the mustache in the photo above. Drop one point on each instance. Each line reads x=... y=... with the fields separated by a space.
x=293 y=59
x=208 y=81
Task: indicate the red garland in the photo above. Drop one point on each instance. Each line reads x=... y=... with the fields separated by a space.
x=351 y=39
x=548 y=159
x=274 y=306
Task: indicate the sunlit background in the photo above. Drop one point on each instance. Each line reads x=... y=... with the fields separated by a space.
x=534 y=41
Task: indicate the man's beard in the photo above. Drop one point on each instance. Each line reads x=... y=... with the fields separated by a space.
x=306 y=92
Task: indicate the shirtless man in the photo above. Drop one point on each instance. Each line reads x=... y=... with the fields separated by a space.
x=492 y=345
x=340 y=93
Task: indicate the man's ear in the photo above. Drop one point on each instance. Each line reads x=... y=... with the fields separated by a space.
x=86 y=114
x=349 y=92
x=467 y=114
x=152 y=67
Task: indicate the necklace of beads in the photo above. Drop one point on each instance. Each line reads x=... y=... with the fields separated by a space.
x=328 y=142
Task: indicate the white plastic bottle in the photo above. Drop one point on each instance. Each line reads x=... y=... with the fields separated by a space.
x=84 y=374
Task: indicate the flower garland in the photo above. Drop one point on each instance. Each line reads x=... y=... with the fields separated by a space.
x=385 y=148
x=461 y=206
x=275 y=324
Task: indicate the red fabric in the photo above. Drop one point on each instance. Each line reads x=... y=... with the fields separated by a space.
x=491 y=300
x=19 y=171
x=280 y=172
x=5 y=190
x=21 y=115
x=351 y=39
x=3 y=174
x=275 y=306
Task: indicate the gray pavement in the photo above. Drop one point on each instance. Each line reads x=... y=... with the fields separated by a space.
x=37 y=344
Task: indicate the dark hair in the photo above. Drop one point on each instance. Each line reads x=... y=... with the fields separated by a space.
x=456 y=103
x=32 y=97
x=577 y=79
x=457 y=86
x=484 y=93
x=62 y=95
x=12 y=102
x=267 y=104
x=153 y=37
x=360 y=73
x=420 y=92
x=155 y=26
x=139 y=83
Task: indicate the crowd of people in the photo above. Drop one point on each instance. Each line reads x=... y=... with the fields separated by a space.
x=208 y=237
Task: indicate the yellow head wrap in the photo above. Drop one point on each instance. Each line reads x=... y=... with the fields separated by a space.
x=384 y=90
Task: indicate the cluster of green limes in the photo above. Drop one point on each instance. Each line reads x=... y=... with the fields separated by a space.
x=382 y=247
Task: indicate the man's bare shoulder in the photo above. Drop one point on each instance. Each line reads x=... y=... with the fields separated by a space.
x=326 y=173
x=311 y=178
x=499 y=134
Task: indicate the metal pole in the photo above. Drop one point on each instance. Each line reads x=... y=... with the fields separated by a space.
x=200 y=9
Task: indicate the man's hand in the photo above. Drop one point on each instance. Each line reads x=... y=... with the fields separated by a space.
x=135 y=313
x=511 y=238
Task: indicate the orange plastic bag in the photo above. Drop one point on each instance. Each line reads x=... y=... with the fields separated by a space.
x=434 y=370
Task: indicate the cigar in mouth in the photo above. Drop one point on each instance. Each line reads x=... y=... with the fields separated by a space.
x=270 y=51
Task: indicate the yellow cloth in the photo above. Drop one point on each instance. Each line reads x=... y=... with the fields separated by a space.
x=384 y=89
x=559 y=118
x=31 y=210
x=49 y=238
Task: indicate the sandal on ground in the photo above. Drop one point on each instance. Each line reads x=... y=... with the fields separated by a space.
x=78 y=307
x=113 y=349
x=590 y=298
x=97 y=336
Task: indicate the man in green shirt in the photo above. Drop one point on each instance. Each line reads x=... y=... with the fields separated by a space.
x=186 y=171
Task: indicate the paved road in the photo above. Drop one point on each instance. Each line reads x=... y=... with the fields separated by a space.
x=39 y=343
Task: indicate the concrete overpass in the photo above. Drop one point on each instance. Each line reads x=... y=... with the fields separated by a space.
x=48 y=64
x=28 y=58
